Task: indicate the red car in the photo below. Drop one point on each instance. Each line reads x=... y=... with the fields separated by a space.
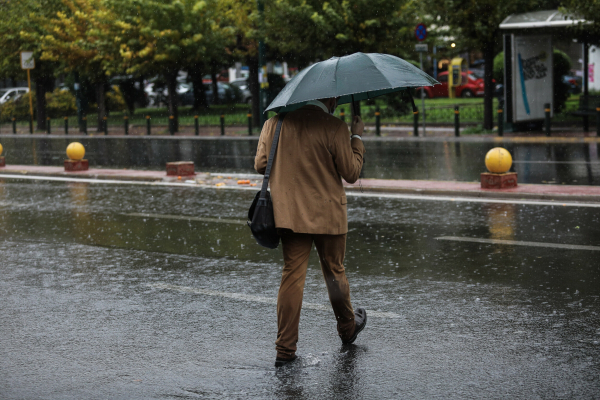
x=471 y=86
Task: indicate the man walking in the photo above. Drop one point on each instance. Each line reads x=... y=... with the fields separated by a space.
x=315 y=151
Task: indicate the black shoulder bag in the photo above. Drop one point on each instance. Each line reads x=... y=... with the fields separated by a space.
x=261 y=219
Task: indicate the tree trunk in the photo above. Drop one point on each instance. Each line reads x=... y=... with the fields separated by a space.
x=200 y=102
x=488 y=86
x=41 y=87
x=215 y=86
x=101 y=100
x=172 y=100
x=254 y=89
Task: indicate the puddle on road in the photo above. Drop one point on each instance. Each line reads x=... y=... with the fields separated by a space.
x=395 y=238
x=92 y=272
x=557 y=163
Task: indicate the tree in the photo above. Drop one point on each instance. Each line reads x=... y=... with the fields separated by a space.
x=588 y=10
x=164 y=37
x=476 y=23
x=16 y=20
x=304 y=31
x=80 y=36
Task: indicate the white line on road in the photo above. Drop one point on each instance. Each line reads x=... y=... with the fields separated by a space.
x=519 y=243
x=557 y=203
x=257 y=299
x=188 y=218
x=400 y=196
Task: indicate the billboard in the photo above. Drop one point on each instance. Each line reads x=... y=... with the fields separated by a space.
x=532 y=77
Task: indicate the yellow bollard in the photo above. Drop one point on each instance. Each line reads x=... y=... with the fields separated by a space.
x=1 y=158
x=1 y=148
x=498 y=160
x=75 y=151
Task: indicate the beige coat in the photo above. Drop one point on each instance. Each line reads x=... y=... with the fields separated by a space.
x=314 y=153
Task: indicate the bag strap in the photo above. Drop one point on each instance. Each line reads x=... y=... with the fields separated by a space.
x=265 y=185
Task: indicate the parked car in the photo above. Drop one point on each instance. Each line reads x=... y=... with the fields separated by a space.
x=242 y=84
x=574 y=83
x=471 y=86
x=9 y=94
x=227 y=93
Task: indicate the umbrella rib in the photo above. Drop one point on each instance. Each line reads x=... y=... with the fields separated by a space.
x=386 y=79
x=335 y=76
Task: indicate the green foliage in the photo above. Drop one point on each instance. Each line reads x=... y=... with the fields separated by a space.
x=16 y=108
x=59 y=104
x=306 y=30
x=499 y=68
x=115 y=100
x=588 y=10
x=561 y=65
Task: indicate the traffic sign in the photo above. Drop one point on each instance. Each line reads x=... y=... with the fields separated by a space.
x=421 y=48
x=27 y=61
x=421 y=32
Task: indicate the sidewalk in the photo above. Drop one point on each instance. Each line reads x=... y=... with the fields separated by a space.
x=414 y=187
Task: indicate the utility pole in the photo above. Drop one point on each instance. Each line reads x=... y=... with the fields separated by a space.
x=262 y=69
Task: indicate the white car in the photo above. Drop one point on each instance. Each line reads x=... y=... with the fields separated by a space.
x=9 y=94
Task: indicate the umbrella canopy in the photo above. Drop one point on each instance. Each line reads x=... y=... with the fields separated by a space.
x=356 y=77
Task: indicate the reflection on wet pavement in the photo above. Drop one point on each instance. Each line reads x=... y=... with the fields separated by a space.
x=535 y=162
x=104 y=296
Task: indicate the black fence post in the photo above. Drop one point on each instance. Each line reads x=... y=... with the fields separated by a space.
x=31 y=124
x=222 y=125
x=48 y=128
x=547 y=119
x=14 y=121
x=416 y=123
x=456 y=121
x=377 y=122
x=126 y=123
x=66 y=125
x=500 y=118
x=84 y=124
x=172 y=125
x=249 y=115
x=342 y=115
x=148 y=125
x=597 y=121
x=196 y=127
x=105 y=125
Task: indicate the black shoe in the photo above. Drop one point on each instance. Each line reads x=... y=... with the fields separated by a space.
x=360 y=318
x=280 y=362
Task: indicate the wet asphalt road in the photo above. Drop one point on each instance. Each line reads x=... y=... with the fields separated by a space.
x=113 y=291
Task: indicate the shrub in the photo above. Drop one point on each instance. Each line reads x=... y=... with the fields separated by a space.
x=18 y=108
x=60 y=103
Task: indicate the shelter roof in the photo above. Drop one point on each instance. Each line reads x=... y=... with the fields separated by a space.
x=540 y=19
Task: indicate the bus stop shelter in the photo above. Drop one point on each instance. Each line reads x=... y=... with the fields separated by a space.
x=528 y=80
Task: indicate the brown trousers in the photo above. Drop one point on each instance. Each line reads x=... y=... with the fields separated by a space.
x=296 y=249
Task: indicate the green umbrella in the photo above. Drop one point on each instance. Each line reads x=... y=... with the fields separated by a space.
x=356 y=77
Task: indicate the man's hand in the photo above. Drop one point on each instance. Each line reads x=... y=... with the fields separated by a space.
x=358 y=126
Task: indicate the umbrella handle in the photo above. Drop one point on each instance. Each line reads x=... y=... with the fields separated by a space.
x=355 y=107
x=412 y=101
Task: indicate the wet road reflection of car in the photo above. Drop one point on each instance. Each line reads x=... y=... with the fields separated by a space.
x=145 y=291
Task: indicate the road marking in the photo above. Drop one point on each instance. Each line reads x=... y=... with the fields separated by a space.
x=257 y=299
x=557 y=203
x=399 y=196
x=556 y=162
x=519 y=243
x=186 y=218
